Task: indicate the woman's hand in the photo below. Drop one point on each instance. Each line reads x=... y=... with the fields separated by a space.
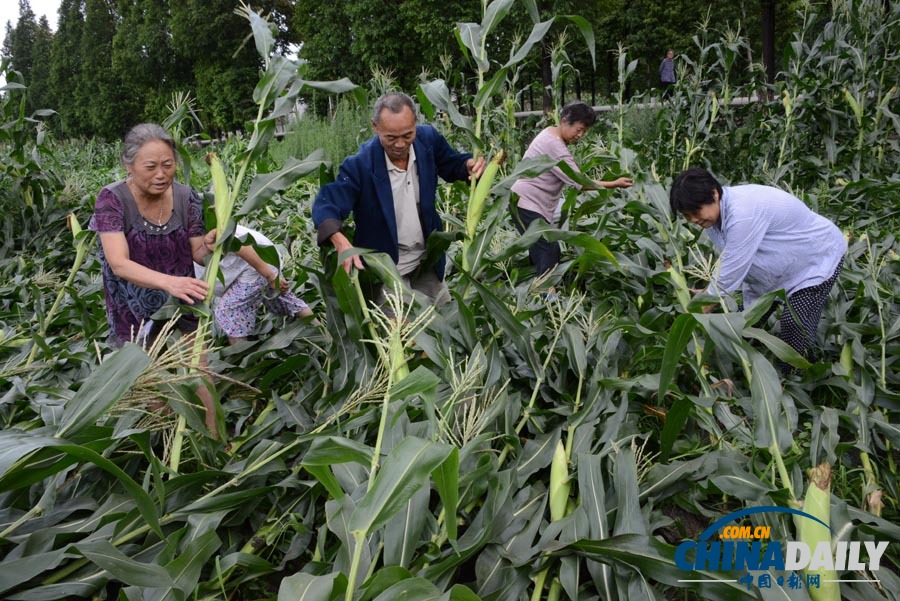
x=278 y=283
x=203 y=246
x=209 y=240
x=622 y=182
x=187 y=289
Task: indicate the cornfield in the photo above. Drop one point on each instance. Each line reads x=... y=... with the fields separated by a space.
x=500 y=447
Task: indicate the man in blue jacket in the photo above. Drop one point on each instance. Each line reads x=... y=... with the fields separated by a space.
x=390 y=186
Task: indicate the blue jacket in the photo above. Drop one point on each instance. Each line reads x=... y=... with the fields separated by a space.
x=363 y=187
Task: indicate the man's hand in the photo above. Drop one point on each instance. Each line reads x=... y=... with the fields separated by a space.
x=341 y=244
x=476 y=167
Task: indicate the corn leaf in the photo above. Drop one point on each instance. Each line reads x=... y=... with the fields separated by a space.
x=403 y=532
x=103 y=388
x=306 y=587
x=405 y=470
x=327 y=450
x=124 y=568
x=650 y=556
x=774 y=413
x=537 y=34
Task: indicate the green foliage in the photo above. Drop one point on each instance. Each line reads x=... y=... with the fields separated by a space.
x=338 y=135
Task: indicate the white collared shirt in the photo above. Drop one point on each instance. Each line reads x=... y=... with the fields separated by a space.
x=770 y=239
x=405 y=189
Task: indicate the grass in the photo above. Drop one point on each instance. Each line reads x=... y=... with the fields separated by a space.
x=339 y=134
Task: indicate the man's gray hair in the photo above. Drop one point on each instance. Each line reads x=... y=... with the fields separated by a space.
x=139 y=135
x=394 y=102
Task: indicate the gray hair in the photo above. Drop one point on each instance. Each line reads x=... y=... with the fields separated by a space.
x=394 y=102
x=139 y=135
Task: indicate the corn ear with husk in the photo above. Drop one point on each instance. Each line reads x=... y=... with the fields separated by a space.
x=847 y=359
x=559 y=483
x=224 y=205
x=818 y=504
x=682 y=292
x=482 y=190
x=399 y=368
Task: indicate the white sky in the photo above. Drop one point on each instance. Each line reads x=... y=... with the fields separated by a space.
x=9 y=11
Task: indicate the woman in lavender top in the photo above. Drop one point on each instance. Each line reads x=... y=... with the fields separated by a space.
x=538 y=196
x=151 y=232
x=768 y=240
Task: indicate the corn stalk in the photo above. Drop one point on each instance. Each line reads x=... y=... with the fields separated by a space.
x=81 y=240
x=280 y=84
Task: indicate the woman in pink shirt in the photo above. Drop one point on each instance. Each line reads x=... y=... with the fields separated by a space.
x=538 y=196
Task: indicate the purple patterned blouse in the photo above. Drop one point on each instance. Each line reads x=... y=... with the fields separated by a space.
x=165 y=248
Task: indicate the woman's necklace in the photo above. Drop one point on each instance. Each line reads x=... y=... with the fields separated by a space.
x=159 y=227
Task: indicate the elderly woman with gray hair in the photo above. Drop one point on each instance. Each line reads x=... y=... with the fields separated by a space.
x=151 y=231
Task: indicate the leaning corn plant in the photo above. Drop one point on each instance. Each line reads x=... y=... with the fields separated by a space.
x=492 y=91
x=276 y=94
x=81 y=240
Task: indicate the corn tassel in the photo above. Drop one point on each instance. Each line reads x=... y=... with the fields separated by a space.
x=818 y=504
x=559 y=483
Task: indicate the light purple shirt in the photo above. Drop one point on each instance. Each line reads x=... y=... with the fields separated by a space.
x=540 y=194
x=768 y=240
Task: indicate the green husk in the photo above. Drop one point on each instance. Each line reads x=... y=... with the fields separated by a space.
x=818 y=504
x=559 y=483
x=482 y=190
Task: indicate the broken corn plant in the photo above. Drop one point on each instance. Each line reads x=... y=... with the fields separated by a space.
x=276 y=93
x=492 y=92
x=457 y=507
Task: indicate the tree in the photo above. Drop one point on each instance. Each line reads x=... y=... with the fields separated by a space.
x=65 y=68
x=97 y=90
x=209 y=40
x=143 y=60
x=351 y=38
x=21 y=45
x=40 y=92
x=6 y=50
x=324 y=30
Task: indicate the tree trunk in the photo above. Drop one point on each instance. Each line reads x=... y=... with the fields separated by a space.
x=767 y=12
x=546 y=79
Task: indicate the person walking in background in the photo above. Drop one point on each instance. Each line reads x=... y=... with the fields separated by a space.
x=390 y=186
x=667 y=74
x=768 y=240
x=538 y=196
